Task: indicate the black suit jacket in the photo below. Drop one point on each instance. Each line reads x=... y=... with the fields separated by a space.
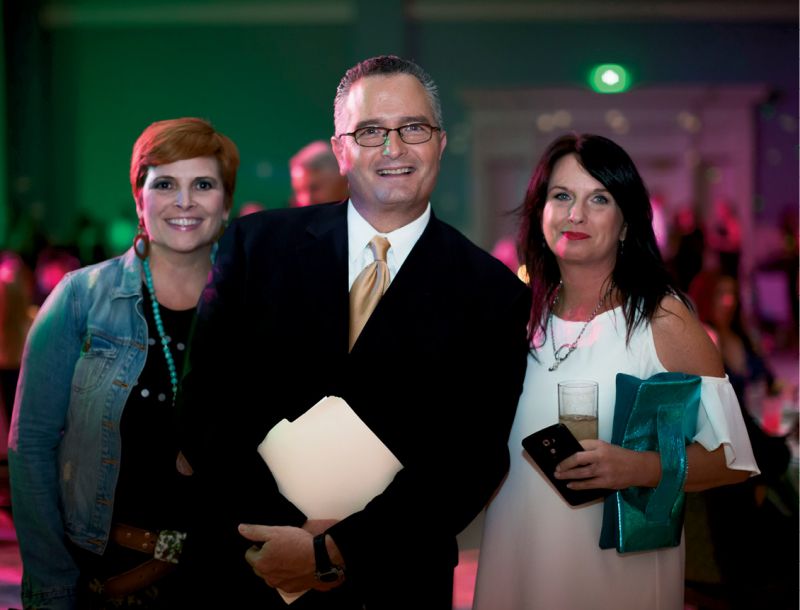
x=436 y=374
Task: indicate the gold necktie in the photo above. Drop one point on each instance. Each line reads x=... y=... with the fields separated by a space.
x=369 y=287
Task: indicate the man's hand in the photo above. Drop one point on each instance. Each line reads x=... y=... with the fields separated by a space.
x=285 y=560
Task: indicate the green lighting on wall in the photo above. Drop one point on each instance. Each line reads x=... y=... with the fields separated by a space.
x=609 y=78
x=119 y=235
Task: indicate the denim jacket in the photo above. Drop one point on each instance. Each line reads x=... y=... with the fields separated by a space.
x=85 y=350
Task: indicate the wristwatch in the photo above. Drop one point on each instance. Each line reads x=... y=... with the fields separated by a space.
x=326 y=571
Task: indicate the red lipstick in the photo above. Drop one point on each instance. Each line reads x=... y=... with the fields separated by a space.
x=575 y=235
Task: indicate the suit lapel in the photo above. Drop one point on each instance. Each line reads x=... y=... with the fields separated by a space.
x=322 y=261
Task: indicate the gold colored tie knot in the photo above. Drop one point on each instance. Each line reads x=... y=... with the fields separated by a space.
x=380 y=246
x=368 y=287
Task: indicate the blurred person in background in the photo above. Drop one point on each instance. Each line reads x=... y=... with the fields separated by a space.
x=788 y=262
x=782 y=260
x=89 y=237
x=753 y=543
x=250 y=207
x=16 y=316
x=52 y=264
x=315 y=176
x=716 y=297
x=99 y=526
x=724 y=236
x=686 y=247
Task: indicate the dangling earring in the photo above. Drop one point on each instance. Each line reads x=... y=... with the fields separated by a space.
x=141 y=242
x=621 y=247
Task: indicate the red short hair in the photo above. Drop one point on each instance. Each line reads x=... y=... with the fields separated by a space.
x=178 y=139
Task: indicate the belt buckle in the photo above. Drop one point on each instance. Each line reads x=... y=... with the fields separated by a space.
x=169 y=546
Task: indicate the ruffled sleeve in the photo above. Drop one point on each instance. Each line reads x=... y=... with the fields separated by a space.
x=720 y=422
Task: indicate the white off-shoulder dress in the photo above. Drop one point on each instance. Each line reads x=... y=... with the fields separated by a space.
x=540 y=553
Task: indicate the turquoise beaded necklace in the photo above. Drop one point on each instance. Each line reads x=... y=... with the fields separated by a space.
x=173 y=372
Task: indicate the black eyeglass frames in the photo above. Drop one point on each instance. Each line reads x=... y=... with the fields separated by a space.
x=372 y=136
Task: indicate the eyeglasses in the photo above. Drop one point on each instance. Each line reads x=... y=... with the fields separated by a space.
x=413 y=133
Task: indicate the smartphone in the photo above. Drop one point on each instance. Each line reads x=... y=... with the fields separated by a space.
x=548 y=447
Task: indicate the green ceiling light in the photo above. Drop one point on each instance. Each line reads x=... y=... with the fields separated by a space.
x=609 y=78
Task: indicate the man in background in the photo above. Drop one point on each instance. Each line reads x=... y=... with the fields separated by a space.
x=315 y=176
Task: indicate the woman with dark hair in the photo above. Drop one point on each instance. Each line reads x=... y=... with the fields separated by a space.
x=603 y=303
x=749 y=537
x=101 y=493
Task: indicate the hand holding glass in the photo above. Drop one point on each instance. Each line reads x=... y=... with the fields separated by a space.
x=577 y=407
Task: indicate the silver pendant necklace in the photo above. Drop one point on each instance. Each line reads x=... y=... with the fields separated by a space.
x=560 y=354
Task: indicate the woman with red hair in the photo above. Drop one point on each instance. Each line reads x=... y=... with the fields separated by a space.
x=99 y=526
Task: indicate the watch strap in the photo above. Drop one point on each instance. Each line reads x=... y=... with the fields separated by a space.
x=325 y=571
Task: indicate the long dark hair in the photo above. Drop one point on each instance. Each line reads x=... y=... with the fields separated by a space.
x=639 y=272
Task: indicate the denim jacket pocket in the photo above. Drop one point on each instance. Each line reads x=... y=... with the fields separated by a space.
x=97 y=354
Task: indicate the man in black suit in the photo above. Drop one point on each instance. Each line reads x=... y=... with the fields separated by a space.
x=435 y=373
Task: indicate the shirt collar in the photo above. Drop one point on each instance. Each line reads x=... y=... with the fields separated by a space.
x=360 y=232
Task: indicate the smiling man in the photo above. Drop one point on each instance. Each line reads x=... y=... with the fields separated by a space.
x=434 y=369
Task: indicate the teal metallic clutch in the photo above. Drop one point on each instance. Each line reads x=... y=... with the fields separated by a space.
x=655 y=414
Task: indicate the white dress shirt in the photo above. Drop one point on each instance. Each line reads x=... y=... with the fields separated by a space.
x=360 y=232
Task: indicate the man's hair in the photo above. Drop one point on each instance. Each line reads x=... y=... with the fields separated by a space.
x=173 y=140
x=385 y=65
x=317 y=155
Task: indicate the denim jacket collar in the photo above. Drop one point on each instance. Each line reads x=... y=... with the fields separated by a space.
x=130 y=282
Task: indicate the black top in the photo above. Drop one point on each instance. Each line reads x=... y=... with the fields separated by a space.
x=150 y=492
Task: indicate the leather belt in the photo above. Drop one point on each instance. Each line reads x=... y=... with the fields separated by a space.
x=164 y=546
x=134 y=538
x=137 y=578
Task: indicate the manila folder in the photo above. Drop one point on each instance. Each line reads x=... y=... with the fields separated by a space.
x=327 y=462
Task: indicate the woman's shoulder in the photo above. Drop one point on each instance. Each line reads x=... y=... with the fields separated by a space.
x=681 y=342
x=120 y=273
x=672 y=310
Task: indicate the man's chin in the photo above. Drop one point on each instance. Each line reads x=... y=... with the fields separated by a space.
x=399 y=196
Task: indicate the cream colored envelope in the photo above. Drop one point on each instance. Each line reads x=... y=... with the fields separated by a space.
x=327 y=462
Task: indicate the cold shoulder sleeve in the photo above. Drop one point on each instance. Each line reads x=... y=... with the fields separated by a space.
x=720 y=422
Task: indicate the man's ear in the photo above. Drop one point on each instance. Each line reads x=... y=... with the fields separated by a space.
x=338 y=151
x=442 y=143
